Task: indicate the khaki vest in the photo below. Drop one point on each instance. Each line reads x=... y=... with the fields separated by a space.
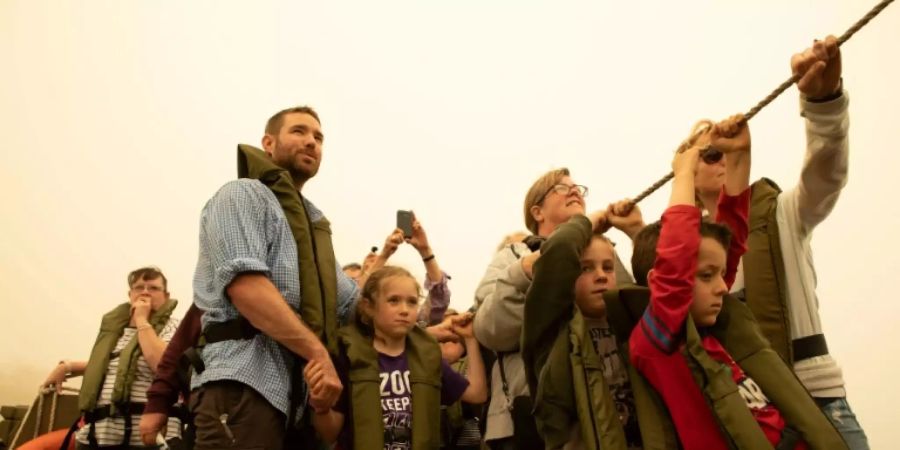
x=738 y=332
x=572 y=382
x=424 y=359
x=764 y=276
x=315 y=254
x=111 y=328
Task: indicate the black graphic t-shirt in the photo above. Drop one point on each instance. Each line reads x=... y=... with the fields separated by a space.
x=616 y=375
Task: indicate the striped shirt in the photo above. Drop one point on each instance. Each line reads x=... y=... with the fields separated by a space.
x=111 y=431
x=243 y=229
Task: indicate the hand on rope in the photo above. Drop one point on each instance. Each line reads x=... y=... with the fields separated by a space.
x=818 y=76
x=731 y=135
x=684 y=169
x=599 y=221
x=58 y=389
x=818 y=69
x=625 y=216
x=56 y=378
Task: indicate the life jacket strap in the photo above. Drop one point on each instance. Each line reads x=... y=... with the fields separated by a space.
x=809 y=347
x=230 y=330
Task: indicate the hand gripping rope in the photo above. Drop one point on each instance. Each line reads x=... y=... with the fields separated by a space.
x=778 y=91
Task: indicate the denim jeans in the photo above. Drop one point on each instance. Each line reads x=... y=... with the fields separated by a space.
x=839 y=413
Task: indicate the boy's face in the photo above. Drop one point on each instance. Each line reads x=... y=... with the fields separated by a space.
x=598 y=274
x=709 y=283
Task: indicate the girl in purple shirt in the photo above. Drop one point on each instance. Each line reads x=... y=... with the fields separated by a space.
x=390 y=305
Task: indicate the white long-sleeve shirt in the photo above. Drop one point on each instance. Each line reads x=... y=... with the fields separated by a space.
x=798 y=211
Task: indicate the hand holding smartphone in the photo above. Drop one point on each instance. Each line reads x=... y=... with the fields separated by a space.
x=404 y=222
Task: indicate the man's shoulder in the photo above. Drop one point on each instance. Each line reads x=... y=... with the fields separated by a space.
x=241 y=191
x=241 y=187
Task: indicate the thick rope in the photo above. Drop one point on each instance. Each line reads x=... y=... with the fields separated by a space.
x=52 y=411
x=778 y=91
x=40 y=412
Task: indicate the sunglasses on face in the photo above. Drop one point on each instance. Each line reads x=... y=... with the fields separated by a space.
x=711 y=155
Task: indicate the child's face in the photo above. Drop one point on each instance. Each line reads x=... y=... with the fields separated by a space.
x=397 y=306
x=598 y=274
x=709 y=178
x=709 y=283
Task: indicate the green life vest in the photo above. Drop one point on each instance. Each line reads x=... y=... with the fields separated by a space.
x=315 y=253
x=563 y=369
x=454 y=412
x=741 y=337
x=111 y=328
x=572 y=388
x=764 y=275
x=423 y=356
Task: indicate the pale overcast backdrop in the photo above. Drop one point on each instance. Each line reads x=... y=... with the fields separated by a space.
x=120 y=119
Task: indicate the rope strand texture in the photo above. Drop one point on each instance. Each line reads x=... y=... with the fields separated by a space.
x=778 y=91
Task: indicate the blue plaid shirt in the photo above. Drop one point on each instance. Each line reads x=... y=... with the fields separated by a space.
x=243 y=229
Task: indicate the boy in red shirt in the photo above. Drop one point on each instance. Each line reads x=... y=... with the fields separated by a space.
x=693 y=266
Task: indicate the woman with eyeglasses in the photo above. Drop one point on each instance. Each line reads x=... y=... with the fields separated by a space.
x=551 y=201
x=123 y=361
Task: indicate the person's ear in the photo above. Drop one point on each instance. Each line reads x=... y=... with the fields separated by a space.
x=537 y=214
x=268 y=143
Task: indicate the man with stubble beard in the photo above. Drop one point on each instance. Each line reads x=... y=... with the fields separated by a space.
x=270 y=291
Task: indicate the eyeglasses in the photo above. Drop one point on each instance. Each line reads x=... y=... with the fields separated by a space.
x=564 y=189
x=152 y=288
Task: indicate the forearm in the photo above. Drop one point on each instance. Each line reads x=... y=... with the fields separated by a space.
x=328 y=425
x=672 y=283
x=477 y=392
x=167 y=384
x=826 y=165
x=733 y=212
x=152 y=347
x=432 y=269
x=737 y=172
x=161 y=395
x=550 y=300
x=682 y=189
x=631 y=230
x=260 y=302
x=76 y=368
x=438 y=300
x=379 y=262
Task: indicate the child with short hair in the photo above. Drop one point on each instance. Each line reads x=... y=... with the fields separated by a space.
x=393 y=375
x=689 y=265
x=575 y=365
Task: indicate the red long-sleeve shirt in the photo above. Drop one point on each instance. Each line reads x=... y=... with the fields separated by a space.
x=656 y=342
x=167 y=386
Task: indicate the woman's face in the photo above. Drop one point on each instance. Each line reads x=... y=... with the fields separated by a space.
x=709 y=178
